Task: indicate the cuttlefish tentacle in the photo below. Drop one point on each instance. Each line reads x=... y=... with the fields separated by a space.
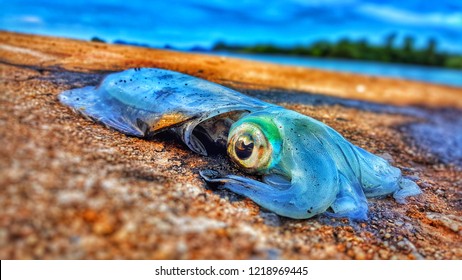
x=286 y=203
x=306 y=166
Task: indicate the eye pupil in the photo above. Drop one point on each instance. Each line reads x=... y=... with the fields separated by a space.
x=244 y=147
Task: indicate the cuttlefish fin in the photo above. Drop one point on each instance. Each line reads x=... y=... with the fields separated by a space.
x=97 y=106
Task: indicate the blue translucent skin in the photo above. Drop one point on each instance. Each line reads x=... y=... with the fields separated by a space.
x=325 y=171
x=136 y=100
x=313 y=167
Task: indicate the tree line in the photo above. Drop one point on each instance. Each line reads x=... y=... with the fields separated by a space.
x=389 y=51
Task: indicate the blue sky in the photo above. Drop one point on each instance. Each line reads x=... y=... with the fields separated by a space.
x=183 y=24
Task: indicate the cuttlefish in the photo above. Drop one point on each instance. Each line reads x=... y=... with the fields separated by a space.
x=306 y=167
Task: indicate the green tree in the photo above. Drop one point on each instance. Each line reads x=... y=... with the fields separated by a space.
x=406 y=55
x=390 y=41
x=408 y=45
x=430 y=52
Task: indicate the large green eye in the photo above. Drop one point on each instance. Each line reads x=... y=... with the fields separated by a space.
x=249 y=147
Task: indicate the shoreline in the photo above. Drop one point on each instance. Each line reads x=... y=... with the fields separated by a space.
x=38 y=50
x=410 y=72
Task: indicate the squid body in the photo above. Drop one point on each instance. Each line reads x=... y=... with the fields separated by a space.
x=306 y=167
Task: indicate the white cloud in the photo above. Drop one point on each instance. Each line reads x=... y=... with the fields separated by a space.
x=31 y=19
x=408 y=17
x=315 y=3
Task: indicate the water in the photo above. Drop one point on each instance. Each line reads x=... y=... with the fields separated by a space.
x=435 y=75
x=185 y=24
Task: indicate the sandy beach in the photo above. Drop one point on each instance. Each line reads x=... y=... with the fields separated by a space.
x=74 y=189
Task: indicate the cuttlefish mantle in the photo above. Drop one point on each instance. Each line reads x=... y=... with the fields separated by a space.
x=307 y=168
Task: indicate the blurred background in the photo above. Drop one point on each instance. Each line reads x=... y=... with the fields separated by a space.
x=420 y=40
